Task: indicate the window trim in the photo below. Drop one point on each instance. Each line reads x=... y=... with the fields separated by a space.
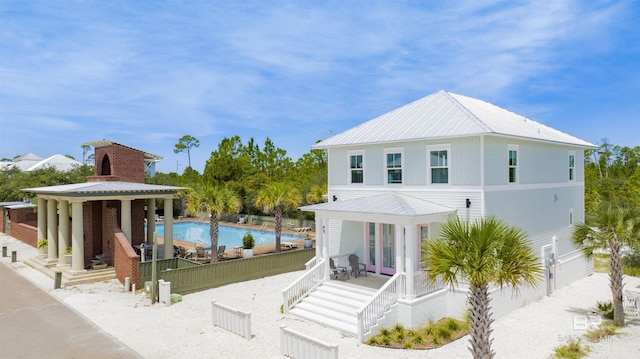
x=350 y=170
x=386 y=152
x=572 y=166
x=440 y=147
x=516 y=149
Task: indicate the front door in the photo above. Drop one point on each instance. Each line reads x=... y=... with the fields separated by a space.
x=388 y=249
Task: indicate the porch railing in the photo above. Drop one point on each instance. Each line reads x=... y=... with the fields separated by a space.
x=304 y=285
x=385 y=297
x=421 y=285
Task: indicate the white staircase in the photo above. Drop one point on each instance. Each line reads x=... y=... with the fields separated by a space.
x=334 y=304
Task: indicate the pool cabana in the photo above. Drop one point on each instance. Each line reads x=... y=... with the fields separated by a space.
x=73 y=216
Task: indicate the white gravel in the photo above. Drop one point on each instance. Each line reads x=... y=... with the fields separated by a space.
x=184 y=329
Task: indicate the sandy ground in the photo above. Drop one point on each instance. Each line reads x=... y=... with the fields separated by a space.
x=184 y=329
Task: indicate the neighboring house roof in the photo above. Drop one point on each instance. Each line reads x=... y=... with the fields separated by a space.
x=444 y=115
x=388 y=204
x=98 y=189
x=25 y=161
x=148 y=157
x=59 y=162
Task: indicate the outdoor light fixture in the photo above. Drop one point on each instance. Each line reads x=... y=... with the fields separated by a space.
x=335 y=198
x=468 y=203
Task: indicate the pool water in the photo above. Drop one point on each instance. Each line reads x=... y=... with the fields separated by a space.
x=198 y=233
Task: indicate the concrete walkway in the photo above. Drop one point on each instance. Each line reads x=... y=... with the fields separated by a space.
x=33 y=324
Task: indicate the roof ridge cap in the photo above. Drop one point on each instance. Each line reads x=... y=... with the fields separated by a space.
x=401 y=200
x=471 y=115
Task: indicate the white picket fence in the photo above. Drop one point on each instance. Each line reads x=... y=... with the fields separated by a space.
x=297 y=345
x=631 y=302
x=230 y=319
x=164 y=292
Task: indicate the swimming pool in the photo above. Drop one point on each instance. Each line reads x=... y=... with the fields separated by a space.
x=198 y=233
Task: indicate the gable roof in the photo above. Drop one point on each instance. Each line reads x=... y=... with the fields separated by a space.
x=444 y=115
x=148 y=157
x=59 y=162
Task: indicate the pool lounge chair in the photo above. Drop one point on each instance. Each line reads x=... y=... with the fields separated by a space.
x=288 y=245
x=202 y=256
x=221 y=252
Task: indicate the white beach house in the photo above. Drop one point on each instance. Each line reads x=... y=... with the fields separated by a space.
x=394 y=180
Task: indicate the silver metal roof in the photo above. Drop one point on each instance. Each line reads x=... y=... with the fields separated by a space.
x=389 y=204
x=103 y=188
x=443 y=114
x=148 y=157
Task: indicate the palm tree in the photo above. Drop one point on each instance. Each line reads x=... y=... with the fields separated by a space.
x=611 y=228
x=214 y=202
x=277 y=198
x=485 y=252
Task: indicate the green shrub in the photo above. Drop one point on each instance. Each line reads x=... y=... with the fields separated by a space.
x=574 y=349
x=374 y=341
x=444 y=332
x=452 y=324
x=605 y=309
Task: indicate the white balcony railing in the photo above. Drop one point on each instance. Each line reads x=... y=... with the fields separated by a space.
x=294 y=344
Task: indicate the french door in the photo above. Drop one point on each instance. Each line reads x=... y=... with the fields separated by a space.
x=386 y=249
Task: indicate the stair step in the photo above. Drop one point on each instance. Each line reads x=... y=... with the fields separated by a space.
x=330 y=322
x=332 y=304
x=330 y=313
x=349 y=289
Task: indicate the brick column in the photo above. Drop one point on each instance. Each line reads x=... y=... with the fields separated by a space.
x=63 y=231
x=52 y=229
x=168 y=228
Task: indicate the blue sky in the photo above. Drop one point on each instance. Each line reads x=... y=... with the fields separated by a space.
x=145 y=73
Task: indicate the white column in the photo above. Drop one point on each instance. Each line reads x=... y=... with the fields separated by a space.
x=378 y=247
x=411 y=255
x=151 y=220
x=42 y=218
x=325 y=246
x=77 y=237
x=400 y=256
x=63 y=231
x=52 y=229
x=399 y=248
x=168 y=228
x=125 y=218
x=319 y=239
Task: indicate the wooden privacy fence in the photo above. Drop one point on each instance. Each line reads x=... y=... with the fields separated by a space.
x=188 y=277
x=297 y=345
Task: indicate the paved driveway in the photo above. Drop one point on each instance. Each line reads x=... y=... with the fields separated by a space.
x=33 y=324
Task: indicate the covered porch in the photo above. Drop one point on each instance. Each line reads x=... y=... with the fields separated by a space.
x=386 y=232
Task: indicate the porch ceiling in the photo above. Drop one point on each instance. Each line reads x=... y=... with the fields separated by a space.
x=390 y=207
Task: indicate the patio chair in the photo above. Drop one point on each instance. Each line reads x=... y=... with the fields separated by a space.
x=221 y=252
x=202 y=255
x=337 y=272
x=356 y=267
x=241 y=220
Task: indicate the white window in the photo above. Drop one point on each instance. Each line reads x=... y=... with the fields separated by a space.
x=572 y=165
x=513 y=164
x=393 y=165
x=356 y=167
x=438 y=163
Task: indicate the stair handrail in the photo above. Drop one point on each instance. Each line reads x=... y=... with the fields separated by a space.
x=380 y=303
x=299 y=289
x=312 y=262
